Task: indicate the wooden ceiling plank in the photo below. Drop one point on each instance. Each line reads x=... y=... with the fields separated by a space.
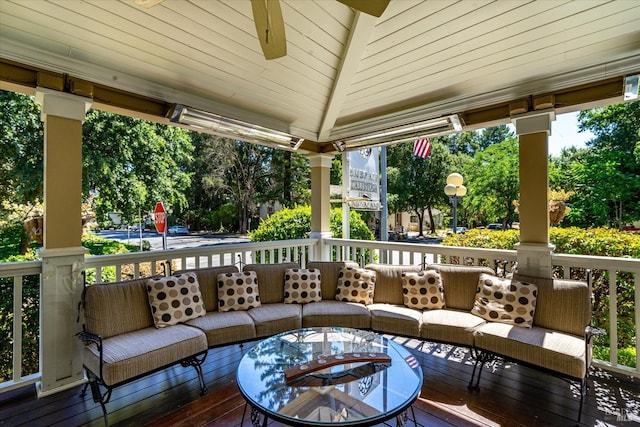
x=362 y=27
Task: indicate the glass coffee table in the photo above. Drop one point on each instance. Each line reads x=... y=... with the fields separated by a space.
x=329 y=376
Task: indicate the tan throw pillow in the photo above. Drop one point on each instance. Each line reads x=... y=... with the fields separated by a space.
x=423 y=289
x=238 y=291
x=302 y=285
x=175 y=299
x=356 y=285
x=505 y=301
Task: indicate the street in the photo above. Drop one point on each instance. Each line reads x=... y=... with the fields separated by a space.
x=173 y=242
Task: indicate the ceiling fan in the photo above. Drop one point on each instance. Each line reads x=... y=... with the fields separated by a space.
x=267 y=17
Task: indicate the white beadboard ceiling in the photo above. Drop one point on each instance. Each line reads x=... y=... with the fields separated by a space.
x=344 y=71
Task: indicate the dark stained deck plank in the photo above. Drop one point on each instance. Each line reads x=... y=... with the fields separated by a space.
x=509 y=395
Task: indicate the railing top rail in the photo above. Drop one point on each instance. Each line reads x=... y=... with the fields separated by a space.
x=223 y=248
x=588 y=261
x=20 y=268
x=425 y=247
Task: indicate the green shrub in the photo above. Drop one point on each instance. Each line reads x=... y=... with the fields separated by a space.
x=295 y=223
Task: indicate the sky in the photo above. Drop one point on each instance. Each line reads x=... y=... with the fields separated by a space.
x=564 y=133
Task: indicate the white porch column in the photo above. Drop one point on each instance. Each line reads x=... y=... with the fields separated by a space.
x=320 y=203
x=62 y=255
x=534 y=249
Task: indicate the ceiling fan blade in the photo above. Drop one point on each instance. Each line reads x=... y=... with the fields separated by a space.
x=370 y=7
x=267 y=16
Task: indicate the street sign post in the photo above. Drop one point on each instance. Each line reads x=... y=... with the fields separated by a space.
x=160 y=220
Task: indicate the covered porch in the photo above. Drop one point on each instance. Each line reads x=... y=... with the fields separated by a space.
x=422 y=68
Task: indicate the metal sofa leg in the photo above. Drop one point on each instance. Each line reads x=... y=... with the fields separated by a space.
x=481 y=359
x=197 y=365
x=100 y=398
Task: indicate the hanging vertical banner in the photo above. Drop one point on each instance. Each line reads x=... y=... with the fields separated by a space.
x=364 y=179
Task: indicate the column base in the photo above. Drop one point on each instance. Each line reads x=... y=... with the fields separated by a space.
x=534 y=259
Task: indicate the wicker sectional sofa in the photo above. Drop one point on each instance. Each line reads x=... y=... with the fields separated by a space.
x=123 y=342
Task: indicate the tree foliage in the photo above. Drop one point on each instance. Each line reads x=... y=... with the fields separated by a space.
x=492 y=180
x=415 y=184
x=130 y=164
x=606 y=175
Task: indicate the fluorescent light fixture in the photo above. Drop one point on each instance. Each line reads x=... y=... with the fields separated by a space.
x=631 y=87
x=409 y=133
x=232 y=128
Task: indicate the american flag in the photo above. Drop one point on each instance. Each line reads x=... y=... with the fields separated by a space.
x=422 y=148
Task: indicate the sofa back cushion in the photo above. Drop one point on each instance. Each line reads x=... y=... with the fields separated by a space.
x=563 y=305
x=208 y=280
x=116 y=308
x=460 y=283
x=271 y=280
x=329 y=271
x=389 y=282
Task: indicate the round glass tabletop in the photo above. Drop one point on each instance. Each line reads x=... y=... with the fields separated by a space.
x=382 y=382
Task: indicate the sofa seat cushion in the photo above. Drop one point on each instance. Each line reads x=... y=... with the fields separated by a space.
x=132 y=354
x=225 y=327
x=543 y=347
x=395 y=319
x=336 y=313
x=451 y=326
x=271 y=319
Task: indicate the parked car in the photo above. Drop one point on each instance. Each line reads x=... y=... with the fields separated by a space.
x=494 y=226
x=461 y=230
x=177 y=229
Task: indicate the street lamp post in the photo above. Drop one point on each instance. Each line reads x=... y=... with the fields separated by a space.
x=456 y=191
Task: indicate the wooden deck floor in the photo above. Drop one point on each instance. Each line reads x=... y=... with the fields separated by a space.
x=510 y=395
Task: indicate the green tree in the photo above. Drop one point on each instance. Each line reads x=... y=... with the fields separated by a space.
x=606 y=175
x=129 y=164
x=236 y=172
x=21 y=168
x=492 y=179
x=290 y=179
x=415 y=184
x=21 y=149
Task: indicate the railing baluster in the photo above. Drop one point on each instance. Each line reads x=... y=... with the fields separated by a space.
x=17 y=328
x=613 y=318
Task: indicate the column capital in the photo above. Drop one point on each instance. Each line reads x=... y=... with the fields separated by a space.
x=534 y=122
x=61 y=104
x=320 y=160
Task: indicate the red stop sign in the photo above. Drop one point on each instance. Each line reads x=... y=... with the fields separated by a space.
x=160 y=218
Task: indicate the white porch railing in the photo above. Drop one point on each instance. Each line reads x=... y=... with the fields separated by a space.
x=128 y=266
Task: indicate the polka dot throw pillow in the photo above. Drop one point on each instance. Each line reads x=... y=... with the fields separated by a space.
x=505 y=301
x=238 y=291
x=423 y=289
x=302 y=285
x=356 y=285
x=175 y=299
